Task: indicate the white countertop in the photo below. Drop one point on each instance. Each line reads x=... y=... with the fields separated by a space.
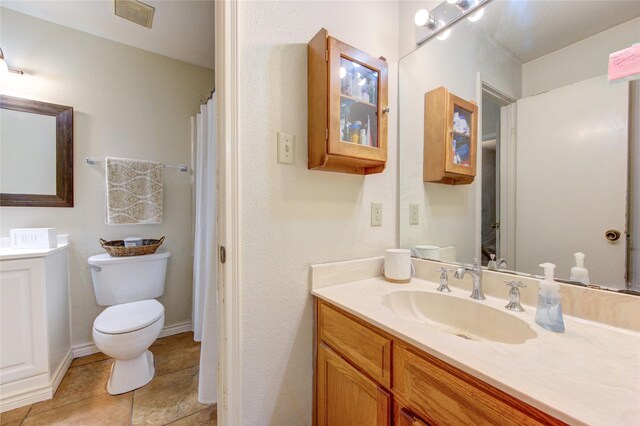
x=588 y=375
x=8 y=253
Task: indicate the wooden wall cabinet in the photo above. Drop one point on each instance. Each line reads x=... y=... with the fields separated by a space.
x=366 y=376
x=450 y=138
x=348 y=111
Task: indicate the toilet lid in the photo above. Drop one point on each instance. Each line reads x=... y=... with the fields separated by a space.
x=129 y=317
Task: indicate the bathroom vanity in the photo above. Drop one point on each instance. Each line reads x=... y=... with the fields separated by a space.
x=385 y=355
x=35 y=344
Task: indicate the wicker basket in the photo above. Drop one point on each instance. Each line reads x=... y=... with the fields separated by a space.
x=116 y=247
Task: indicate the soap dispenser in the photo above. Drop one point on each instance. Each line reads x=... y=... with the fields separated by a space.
x=579 y=273
x=549 y=312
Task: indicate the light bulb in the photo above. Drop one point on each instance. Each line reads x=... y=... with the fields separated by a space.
x=343 y=72
x=422 y=17
x=476 y=16
x=452 y=1
x=445 y=34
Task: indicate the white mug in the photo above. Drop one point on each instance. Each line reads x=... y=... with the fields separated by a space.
x=397 y=265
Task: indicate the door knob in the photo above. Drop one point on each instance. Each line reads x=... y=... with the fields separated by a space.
x=612 y=235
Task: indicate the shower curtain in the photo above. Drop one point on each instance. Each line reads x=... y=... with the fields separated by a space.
x=205 y=260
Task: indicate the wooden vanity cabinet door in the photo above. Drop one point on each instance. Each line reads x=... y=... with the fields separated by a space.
x=347 y=397
x=362 y=346
x=446 y=395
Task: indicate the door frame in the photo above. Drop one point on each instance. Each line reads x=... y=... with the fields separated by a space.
x=228 y=213
x=484 y=84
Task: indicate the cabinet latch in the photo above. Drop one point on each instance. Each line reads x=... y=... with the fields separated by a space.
x=223 y=254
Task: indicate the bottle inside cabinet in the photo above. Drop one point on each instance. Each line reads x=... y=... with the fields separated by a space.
x=358 y=104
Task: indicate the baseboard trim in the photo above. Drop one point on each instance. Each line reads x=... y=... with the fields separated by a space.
x=62 y=370
x=169 y=330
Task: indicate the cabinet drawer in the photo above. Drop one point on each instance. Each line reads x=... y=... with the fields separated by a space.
x=445 y=395
x=365 y=348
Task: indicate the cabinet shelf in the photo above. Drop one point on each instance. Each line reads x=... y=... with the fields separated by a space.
x=336 y=69
x=360 y=101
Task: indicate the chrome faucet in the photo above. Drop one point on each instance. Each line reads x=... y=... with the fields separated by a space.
x=476 y=278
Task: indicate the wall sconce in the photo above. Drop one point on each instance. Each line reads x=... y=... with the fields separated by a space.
x=4 y=68
x=439 y=21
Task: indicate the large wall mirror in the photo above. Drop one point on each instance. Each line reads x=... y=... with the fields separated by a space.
x=36 y=153
x=558 y=158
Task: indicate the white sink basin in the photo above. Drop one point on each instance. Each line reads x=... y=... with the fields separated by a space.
x=465 y=318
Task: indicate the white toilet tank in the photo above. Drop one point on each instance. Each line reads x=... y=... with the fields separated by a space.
x=128 y=279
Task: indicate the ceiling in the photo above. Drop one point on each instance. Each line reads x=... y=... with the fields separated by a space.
x=182 y=29
x=533 y=28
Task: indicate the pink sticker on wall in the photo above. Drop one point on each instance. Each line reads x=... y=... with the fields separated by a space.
x=625 y=63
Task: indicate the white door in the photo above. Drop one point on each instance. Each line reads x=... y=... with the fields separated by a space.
x=571 y=179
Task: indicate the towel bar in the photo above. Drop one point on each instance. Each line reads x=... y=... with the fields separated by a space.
x=92 y=161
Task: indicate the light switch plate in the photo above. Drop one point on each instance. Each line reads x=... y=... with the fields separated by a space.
x=376 y=214
x=285 y=148
x=414 y=216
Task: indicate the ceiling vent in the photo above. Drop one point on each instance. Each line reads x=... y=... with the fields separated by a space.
x=135 y=11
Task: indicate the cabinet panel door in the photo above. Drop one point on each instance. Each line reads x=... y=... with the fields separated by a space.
x=357 y=97
x=23 y=350
x=370 y=351
x=462 y=130
x=345 y=396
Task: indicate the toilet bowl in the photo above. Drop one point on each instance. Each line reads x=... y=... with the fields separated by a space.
x=125 y=332
x=133 y=319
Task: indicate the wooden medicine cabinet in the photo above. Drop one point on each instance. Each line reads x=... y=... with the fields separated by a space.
x=450 y=133
x=348 y=109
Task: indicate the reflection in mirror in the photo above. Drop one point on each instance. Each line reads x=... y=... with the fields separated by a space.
x=557 y=158
x=36 y=153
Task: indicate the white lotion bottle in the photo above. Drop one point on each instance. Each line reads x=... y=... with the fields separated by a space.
x=579 y=273
x=549 y=312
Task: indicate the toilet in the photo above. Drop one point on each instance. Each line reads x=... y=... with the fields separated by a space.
x=133 y=319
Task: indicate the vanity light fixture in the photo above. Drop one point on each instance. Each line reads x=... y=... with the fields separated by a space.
x=4 y=68
x=438 y=21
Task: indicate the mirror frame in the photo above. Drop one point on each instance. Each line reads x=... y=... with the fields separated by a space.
x=64 y=154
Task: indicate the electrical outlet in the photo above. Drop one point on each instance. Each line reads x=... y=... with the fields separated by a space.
x=376 y=214
x=285 y=148
x=414 y=210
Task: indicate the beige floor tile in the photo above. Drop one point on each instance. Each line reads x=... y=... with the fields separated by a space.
x=88 y=359
x=14 y=417
x=95 y=411
x=208 y=416
x=175 y=353
x=79 y=383
x=167 y=398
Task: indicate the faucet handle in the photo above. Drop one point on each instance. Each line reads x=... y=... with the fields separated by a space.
x=514 y=295
x=515 y=284
x=444 y=280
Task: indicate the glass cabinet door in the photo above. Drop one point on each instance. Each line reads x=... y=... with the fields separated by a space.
x=359 y=86
x=460 y=142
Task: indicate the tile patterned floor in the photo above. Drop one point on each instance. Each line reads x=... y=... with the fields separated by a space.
x=82 y=398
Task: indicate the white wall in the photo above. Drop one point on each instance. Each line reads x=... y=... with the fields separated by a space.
x=579 y=61
x=129 y=103
x=292 y=217
x=447 y=213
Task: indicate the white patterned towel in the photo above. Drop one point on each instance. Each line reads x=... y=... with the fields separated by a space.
x=134 y=191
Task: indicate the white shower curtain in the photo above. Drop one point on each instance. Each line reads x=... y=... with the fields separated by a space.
x=205 y=260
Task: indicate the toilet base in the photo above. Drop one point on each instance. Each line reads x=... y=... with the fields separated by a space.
x=129 y=374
